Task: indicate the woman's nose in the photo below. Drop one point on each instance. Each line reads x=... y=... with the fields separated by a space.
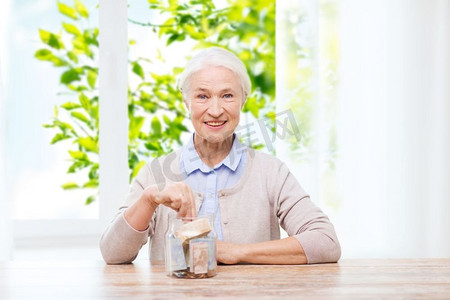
x=215 y=108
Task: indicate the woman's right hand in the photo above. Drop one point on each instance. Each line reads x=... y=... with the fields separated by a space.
x=178 y=196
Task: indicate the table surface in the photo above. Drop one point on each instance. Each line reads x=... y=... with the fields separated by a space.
x=348 y=279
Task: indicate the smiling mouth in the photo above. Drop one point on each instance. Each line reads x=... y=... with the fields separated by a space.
x=215 y=123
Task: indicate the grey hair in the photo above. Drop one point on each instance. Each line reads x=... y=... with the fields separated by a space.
x=215 y=57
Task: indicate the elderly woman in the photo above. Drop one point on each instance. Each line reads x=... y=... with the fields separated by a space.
x=251 y=194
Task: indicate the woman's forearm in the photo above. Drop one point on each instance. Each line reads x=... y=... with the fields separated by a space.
x=286 y=251
x=139 y=214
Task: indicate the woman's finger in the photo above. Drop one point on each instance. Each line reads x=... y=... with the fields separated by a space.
x=184 y=206
x=166 y=200
x=176 y=203
x=159 y=199
x=192 y=212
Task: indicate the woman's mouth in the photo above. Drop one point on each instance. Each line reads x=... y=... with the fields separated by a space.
x=215 y=124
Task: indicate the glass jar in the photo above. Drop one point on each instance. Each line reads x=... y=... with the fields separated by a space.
x=190 y=247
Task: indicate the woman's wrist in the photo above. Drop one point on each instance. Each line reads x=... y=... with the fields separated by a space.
x=140 y=213
x=243 y=253
x=148 y=197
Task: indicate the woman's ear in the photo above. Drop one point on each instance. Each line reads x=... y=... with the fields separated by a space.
x=243 y=101
x=187 y=104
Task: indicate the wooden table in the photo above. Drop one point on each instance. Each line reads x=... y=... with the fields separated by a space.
x=348 y=279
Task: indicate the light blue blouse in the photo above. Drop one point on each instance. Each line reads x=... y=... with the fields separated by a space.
x=208 y=181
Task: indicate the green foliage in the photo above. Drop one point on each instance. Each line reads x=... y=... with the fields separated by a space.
x=157 y=116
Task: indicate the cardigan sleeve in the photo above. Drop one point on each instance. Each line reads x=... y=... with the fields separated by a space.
x=120 y=242
x=305 y=221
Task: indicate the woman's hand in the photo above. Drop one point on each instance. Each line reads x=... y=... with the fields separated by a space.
x=178 y=196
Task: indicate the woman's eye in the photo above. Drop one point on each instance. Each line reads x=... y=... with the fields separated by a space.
x=203 y=97
x=228 y=96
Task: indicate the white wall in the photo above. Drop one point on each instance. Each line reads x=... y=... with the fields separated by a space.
x=394 y=133
x=5 y=222
x=5 y=207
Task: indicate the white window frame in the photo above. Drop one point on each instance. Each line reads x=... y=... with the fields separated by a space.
x=113 y=156
x=5 y=205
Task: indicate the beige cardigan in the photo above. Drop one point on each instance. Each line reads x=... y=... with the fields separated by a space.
x=266 y=196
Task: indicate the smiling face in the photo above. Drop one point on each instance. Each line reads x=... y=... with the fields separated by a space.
x=215 y=98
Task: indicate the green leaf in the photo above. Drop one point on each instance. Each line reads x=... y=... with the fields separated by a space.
x=63 y=126
x=43 y=54
x=252 y=106
x=81 y=9
x=78 y=155
x=85 y=102
x=271 y=115
x=67 y=10
x=50 y=39
x=90 y=199
x=167 y=27
x=78 y=165
x=175 y=37
x=47 y=55
x=137 y=69
x=70 y=105
x=55 y=111
x=153 y=146
x=70 y=76
x=91 y=184
x=167 y=120
x=181 y=127
x=70 y=185
x=91 y=78
x=132 y=158
x=59 y=137
x=93 y=172
x=94 y=113
x=81 y=46
x=72 y=56
x=88 y=143
x=156 y=126
x=80 y=116
x=193 y=32
x=135 y=127
x=91 y=37
x=70 y=28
